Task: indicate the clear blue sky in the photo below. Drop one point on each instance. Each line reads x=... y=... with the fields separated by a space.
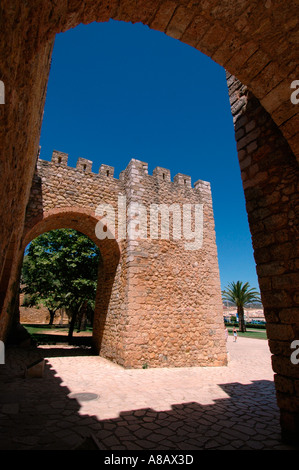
x=119 y=91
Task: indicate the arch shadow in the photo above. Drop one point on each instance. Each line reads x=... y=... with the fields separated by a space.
x=44 y=414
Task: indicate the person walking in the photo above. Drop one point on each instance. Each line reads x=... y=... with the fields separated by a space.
x=235 y=334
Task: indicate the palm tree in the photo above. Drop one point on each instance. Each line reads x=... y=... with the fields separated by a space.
x=240 y=295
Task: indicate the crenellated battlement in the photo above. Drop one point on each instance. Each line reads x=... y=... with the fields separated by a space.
x=135 y=169
x=56 y=185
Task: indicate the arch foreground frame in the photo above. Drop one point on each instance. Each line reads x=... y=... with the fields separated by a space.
x=254 y=41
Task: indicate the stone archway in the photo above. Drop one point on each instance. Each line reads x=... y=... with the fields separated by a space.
x=108 y=287
x=254 y=41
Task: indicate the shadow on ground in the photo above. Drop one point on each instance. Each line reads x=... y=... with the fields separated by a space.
x=53 y=339
x=38 y=414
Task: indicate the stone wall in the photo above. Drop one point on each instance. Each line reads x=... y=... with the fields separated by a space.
x=270 y=178
x=38 y=315
x=164 y=305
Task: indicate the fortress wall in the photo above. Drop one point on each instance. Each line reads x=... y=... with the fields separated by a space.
x=164 y=303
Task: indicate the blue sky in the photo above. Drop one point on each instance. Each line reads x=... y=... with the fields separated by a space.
x=119 y=91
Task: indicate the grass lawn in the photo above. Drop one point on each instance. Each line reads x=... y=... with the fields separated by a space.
x=45 y=334
x=39 y=329
x=250 y=333
x=52 y=334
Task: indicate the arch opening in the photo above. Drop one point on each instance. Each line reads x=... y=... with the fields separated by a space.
x=59 y=280
x=109 y=255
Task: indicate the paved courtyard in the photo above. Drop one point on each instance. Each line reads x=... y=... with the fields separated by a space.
x=83 y=399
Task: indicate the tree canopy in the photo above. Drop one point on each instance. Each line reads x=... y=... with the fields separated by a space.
x=240 y=295
x=60 y=269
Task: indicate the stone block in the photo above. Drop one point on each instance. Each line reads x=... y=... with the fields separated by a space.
x=59 y=158
x=162 y=174
x=106 y=170
x=84 y=165
x=36 y=369
x=182 y=180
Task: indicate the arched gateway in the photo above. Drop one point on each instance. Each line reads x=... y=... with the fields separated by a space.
x=256 y=42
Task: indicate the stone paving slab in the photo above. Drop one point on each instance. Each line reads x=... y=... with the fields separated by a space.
x=82 y=396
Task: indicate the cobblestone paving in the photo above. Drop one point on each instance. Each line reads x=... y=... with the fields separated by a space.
x=82 y=395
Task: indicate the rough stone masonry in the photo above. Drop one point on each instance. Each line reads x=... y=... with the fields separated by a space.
x=158 y=301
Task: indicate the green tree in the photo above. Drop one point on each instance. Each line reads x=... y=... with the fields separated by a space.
x=240 y=295
x=60 y=270
x=50 y=300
